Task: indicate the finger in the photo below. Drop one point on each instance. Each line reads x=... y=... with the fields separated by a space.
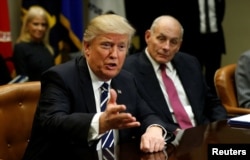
x=144 y=145
x=117 y=108
x=125 y=120
x=126 y=116
x=113 y=96
x=158 y=146
x=151 y=145
x=129 y=125
x=157 y=143
x=161 y=145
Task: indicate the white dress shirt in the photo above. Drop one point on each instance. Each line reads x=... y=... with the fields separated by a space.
x=94 y=126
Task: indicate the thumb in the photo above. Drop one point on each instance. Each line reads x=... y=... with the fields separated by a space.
x=113 y=96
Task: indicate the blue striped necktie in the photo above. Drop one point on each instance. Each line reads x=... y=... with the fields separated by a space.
x=107 y=138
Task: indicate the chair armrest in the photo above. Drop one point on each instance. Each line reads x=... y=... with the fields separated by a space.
x=234 y=110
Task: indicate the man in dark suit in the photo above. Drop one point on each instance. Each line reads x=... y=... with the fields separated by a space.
x=68 y=121
x=163 y=40
x=207 y=44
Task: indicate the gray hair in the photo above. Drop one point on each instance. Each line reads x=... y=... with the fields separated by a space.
x=156 y=21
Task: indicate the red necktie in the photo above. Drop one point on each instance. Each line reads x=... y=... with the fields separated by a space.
x=179 y=111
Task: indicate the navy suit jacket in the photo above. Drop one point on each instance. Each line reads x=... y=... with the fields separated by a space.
x=206 y=107
x=67 y=106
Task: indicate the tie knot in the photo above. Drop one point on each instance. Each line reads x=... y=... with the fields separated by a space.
x=104 y=87
x=163 y=67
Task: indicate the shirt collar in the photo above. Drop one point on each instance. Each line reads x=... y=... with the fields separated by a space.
x=96 y=82
x=156 y=65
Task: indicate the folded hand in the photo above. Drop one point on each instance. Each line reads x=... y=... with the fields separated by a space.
x=152 y=140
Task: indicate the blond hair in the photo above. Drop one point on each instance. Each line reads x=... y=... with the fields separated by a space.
x=108 y=23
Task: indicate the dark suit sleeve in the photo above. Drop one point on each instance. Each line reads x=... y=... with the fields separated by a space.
x=57 y=113
x=130 y=97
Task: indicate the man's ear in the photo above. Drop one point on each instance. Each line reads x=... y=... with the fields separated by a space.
x=180 y=45
x=86 y=47
x=147 y=35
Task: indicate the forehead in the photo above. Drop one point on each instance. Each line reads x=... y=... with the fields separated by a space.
x=168 y=27
x=113 y=37
x=40 y=19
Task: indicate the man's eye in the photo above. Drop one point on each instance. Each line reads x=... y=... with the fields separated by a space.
x=106 y=45
x=122 y=47
x=174 y=42
x=161 y=39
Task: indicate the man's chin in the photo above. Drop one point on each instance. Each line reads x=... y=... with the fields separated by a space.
x=109 y=75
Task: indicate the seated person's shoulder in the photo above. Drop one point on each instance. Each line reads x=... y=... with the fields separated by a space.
x=246 y=54
x=124 y=74
x=131 y=60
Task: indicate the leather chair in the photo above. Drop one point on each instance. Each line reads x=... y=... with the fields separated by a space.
x=224 y=81
x=17 y=107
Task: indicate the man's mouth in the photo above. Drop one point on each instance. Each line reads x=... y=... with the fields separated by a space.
x=111 y=65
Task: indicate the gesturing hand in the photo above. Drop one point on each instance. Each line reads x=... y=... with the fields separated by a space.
x=114 y=116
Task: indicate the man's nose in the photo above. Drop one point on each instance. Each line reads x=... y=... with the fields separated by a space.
x=114 y=51
x=166 y=44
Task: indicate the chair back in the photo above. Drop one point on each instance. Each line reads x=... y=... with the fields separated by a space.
x=18 y=103
x=224 y=81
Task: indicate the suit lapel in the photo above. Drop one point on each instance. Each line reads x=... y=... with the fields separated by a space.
x=152 y=87
x=184 y=69
x=86 y=85
x=184 y=74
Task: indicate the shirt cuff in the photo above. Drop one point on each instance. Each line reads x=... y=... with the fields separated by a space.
x=94 y=128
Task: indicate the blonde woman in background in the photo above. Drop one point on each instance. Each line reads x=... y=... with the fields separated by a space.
x=32 y=52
